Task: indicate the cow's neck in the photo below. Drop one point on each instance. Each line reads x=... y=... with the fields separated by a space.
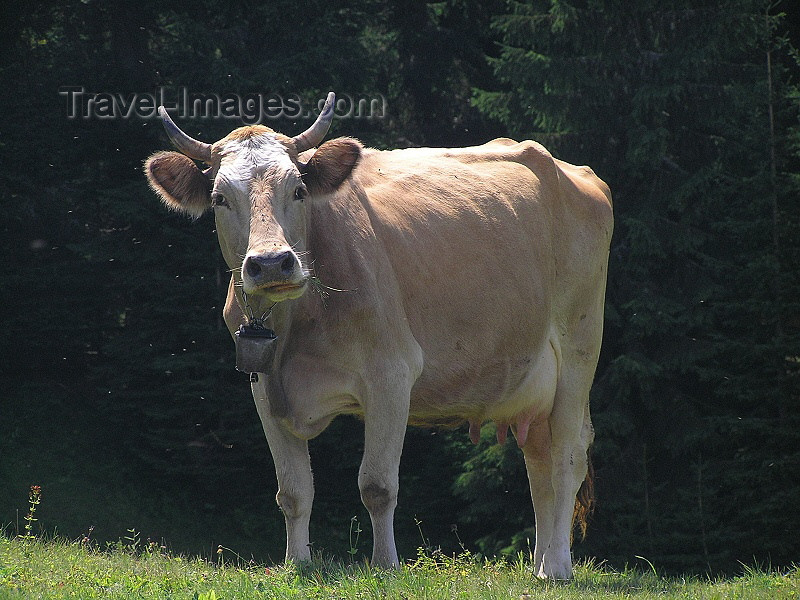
x=337 y=261
x=282 y=318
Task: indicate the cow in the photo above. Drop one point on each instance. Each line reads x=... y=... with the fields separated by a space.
x=422 y=286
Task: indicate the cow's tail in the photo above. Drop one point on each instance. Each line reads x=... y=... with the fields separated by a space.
x=584 y=501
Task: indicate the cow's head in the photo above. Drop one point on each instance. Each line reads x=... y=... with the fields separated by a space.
x=256 y=182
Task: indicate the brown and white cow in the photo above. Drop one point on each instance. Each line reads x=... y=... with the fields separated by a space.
x=459 y=285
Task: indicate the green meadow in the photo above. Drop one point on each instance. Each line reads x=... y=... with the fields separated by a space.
x=33 y=568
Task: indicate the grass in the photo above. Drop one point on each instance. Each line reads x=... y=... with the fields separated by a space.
x=33 y=568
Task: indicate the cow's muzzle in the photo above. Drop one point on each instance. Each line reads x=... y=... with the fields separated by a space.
x=279 y=275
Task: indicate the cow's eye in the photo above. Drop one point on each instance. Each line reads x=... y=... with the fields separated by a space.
x=301 y=192
x=219 y=200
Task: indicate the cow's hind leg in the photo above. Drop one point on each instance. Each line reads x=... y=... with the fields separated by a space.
x=557 y=463
x=538 y=463
x=295 y=481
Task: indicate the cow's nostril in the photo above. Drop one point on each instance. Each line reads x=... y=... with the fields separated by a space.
x=252 y=267
x=287 y=266
x=273 y=267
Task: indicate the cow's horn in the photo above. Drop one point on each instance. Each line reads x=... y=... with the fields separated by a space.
x=314 y=135
x=188 y=145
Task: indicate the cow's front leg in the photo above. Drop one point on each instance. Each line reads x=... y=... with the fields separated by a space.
x=385 y=420
x=295 y=481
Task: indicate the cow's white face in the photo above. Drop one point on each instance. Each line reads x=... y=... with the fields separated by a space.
x=257 y=196
x=256 y=185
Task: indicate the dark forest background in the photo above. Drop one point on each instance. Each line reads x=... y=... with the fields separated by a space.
x=119 y=395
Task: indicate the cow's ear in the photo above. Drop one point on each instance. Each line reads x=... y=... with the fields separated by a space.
x=331 y=164
x=179 y=182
